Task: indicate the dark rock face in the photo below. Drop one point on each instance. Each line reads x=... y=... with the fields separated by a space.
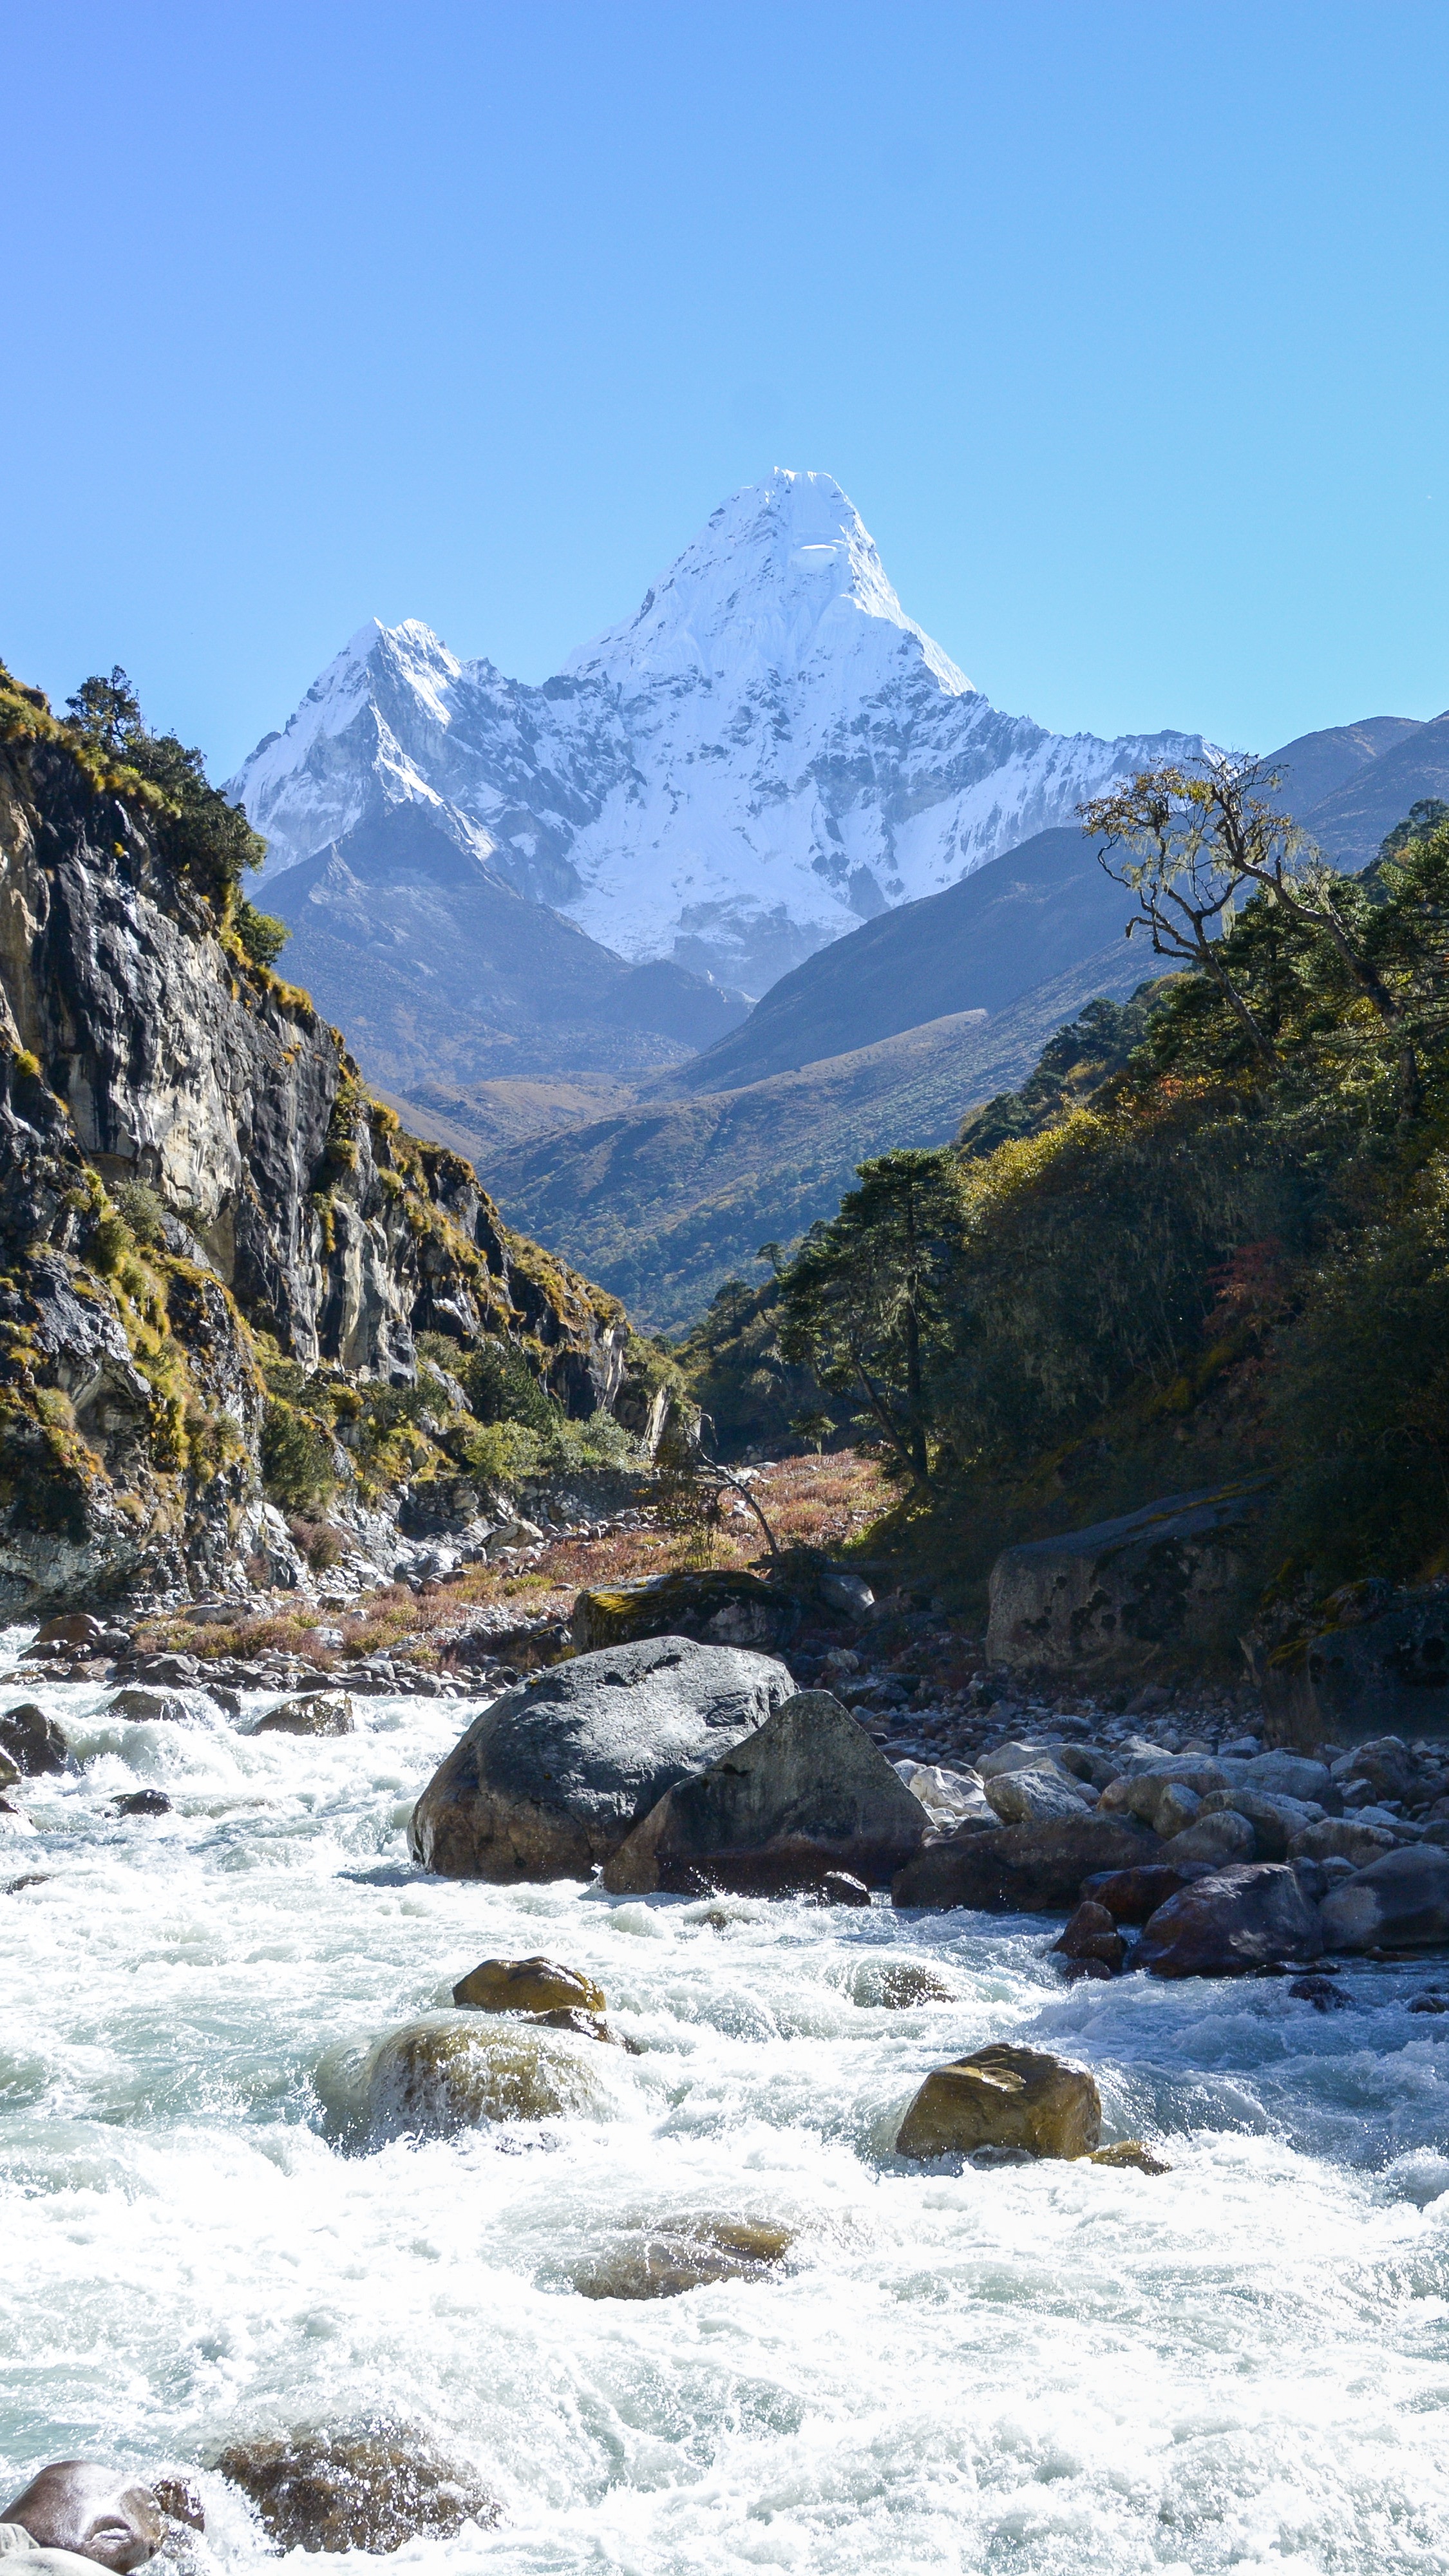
x=1091 y=1933
x=1133 y=1895
x=369 y=2489
x=1022 y=1869
x=1377 y=1676
x=1123 y=1598
x=33 y=1741
x=135 y=1046
x=803 y=1798
x=724 y=1609
x=549 y=1780
x=1231 y=1921
x=1400 y=1902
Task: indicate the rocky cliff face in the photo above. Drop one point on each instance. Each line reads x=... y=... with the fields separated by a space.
x=193 y=1179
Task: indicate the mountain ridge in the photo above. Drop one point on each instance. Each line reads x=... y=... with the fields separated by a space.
x=767 y=752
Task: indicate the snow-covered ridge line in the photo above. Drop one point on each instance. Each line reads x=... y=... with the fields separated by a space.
x=769 y=751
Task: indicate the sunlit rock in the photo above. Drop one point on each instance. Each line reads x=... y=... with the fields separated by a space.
x=1003 y=2097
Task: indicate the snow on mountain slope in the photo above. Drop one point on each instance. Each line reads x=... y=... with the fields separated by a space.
x=766 y=754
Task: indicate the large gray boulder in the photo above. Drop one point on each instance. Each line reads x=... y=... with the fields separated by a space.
x=1023 y=1869
x=1400 y=1902
x=1125 y=1597
x=806 y=1793
x=549 y=1780
x=1230 y=1922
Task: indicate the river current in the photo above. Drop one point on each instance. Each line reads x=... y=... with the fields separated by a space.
x=1242 y=2364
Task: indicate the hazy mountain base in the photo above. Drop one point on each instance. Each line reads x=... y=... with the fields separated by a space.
x=665 y=1203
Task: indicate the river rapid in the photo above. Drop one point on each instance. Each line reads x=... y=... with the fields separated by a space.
x=1040 y=2368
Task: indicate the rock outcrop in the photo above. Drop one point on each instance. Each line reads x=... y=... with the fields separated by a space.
x=1368 y=1676
x=548 y=1782
x=1128 y=1597
x=805 y=1796
x=724 y=1608
x=140 y=1049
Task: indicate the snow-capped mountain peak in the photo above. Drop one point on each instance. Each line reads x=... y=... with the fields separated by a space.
x=769 y=751
x=784 y=576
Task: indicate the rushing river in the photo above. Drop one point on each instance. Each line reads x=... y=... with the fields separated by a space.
x=1243 y=2364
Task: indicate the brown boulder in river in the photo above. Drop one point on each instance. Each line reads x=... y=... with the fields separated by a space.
x=1003 y=2097
x=527 y=1985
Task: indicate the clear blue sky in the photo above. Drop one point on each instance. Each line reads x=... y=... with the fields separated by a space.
x=1123 y=325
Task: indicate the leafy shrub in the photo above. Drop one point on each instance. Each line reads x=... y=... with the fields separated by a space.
x=142 y=1210
x=297 y=1467
x=261 y=934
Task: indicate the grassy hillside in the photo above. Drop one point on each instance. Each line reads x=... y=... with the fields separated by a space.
x=665 y=1202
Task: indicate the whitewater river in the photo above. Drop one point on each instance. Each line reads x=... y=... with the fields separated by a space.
x=1243 y=2364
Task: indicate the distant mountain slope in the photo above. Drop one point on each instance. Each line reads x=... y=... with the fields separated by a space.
x=1316 y=765
x=434 y=964
x=1029 y=915
x=666 y=1201
x=1349 y=824
x=1011 y=925
x=767 y=753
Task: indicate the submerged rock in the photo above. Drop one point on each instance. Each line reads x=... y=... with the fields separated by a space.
x=1003 y=2097
x=371 y=2489
x=145 y=1707
x=678 y=2258
x=805 y=1796
x=144 y=1802
x=33 y=1741
x=1022 y=1869
x=550 y=1780
x=432 y=2078
x=315 y=1713
x=1232 y=1921
x=1131 y=2154
x=900 y=1985
x=534 y=1985
x=1399 y=1902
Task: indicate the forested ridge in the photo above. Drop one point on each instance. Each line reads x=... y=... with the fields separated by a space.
x=1208 y=1238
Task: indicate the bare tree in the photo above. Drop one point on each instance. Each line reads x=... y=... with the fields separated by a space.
x=1195 y=842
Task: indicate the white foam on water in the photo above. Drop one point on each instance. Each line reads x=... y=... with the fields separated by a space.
x=1039 y=2369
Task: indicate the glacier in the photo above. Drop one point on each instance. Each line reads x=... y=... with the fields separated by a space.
x=767 y=753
